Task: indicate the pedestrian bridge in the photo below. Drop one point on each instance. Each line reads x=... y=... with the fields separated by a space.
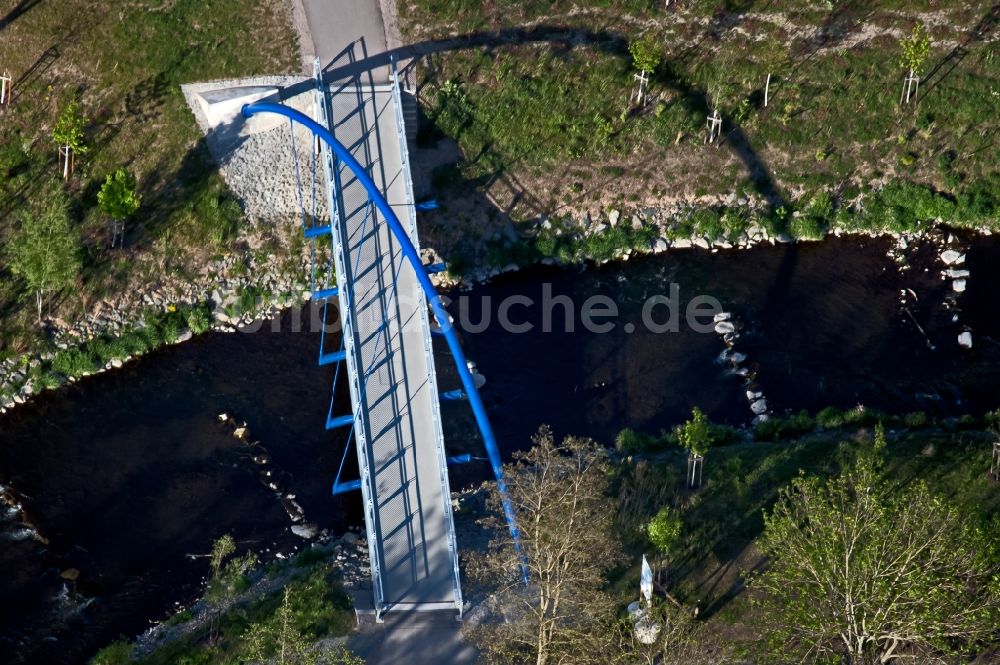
x=385 y=297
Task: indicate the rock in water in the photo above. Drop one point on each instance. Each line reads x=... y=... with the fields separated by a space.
x=759 y=407
x=965 y=340
x=958 y=286
x=724 y=327
x=951 y=257
x=722 y=316
x=306 y=530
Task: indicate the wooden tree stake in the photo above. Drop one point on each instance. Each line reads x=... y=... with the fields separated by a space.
x=639 y=94
x=6 y=89
x=695 y=464
x=911 y=85
x=995 y=464
x=714 y=126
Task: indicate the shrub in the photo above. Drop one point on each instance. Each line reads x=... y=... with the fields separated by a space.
x=629 y=441
x=774 y=429
x=116 y=653
x=915 y=419
x=806 y=228
x=73 y=362
x=830 y=418
x=199 y=318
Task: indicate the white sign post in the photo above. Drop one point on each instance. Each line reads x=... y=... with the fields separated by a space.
x=646 y=581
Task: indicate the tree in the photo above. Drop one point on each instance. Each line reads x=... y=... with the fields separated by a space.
x=695 y=436
x=119 y=200
x=221 y=549
x=646 y=58
x=773 y=58
x=46 y=250
x=664 y=532
x=559 y=494
x=680 y=640
x=281 y=642
x=915 y=49
x=862 y=572
x=645 y=54
x=68 y=135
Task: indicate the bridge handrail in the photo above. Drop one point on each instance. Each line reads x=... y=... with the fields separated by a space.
x=413 y=257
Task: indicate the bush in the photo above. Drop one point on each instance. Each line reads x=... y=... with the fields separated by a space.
x=629 y=441
x=804 y=227
x=199 y=318
x=775 y=429
x=831 y=418
x=915 y=419
x=116 y=653
x=73 y=362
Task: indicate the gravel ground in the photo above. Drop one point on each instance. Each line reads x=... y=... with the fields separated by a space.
x=258 y=167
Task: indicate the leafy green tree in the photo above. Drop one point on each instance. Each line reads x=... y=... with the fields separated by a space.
x=221 y=550
x=118 y=198
x=646 y=55
x=915 y=50
x=861 y=572
x=664 y=530
x=695 y=435
x=46 y=250
x=69 y=133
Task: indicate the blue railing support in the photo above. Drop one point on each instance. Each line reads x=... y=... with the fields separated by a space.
x=411 y=254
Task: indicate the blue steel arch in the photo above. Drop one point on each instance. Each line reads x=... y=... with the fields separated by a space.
x=410 y=252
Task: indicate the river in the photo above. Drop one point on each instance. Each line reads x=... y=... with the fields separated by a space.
x=128 y=472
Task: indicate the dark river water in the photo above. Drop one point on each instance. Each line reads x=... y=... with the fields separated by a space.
x=128 y=472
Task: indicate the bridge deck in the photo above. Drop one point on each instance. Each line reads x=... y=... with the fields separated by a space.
x=387 y=339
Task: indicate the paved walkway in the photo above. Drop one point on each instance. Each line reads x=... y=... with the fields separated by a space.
x=355 y=30
x=413 y=639
x=336 y=25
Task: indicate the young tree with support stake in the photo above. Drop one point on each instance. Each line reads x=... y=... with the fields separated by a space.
x=46 y=250
x=119 y=200
x=915 y=48
x=69 y=136
x=695 y=436
x=646 y=58
x=773 y=59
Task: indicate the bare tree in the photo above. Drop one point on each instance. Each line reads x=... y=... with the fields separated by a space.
x=680 y=639
x=559 y=493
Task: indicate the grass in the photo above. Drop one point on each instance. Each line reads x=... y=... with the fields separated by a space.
x=319 y=609
x=723 y=518
x=124 y=63
x=552 y=113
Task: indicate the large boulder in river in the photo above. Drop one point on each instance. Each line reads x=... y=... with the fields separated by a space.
x=952 y=258
x=759 y=407
x=965 y=340
x=725 y=327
